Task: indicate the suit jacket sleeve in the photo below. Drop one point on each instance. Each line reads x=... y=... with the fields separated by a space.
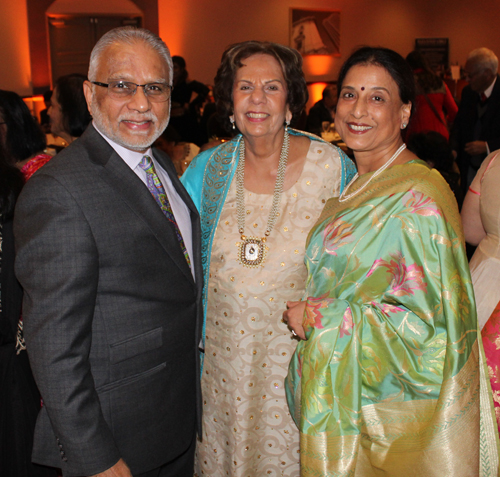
x=457 y=129
x=494 y=143
x=57 y=265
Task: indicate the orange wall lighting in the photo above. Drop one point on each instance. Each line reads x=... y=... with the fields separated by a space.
x=316 y=92
x=318 y=65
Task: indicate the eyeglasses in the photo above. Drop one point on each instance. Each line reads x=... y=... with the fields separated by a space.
x=156 y=92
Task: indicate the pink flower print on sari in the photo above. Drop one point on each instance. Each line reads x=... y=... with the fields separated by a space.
x=386 y=309
x=336 y=234
x=491 y=342
x=346 y=324
x=418 y=203
x=405 y=279
x=313 y=315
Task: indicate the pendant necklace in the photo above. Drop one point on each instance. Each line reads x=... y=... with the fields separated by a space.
x=252 y=250
x=343 y=197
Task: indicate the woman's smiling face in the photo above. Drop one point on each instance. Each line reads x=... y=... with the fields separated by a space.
x=370 y=112
x=260 y=96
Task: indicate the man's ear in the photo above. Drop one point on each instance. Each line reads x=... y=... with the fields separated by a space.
x=87 y=92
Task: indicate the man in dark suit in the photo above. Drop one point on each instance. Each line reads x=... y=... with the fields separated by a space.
x=323 y=110
x=112 y=277
x=476 y=129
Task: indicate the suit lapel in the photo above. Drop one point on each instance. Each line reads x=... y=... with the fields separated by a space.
x=136 y=195
x=493 y=102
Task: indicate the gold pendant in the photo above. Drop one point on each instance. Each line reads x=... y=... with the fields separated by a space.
x=252 y=252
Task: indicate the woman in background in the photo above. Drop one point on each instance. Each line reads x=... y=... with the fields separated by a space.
x=185 y=111
x=69 y=114
x=19 y=397
x=20 y=135
x=434 y=106
x=481 y=221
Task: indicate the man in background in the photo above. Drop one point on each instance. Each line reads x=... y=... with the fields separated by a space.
x=323 y=110
x=476 y=129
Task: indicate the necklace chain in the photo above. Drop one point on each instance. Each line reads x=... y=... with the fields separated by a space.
x=343 y=197
x=252 y=250
x=278 y=188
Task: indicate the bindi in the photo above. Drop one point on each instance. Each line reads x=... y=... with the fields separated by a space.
x=362 y=88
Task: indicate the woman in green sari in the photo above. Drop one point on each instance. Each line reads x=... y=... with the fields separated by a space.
x=389 y=378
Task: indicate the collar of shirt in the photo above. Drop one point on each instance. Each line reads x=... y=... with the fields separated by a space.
x=131 y=158
x=489 y=89
x=179 y=208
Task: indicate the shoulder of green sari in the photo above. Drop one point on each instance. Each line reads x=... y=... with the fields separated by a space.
x=432 y=184
x=414 y=175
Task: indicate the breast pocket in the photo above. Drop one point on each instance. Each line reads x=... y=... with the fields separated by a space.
x=136 y=345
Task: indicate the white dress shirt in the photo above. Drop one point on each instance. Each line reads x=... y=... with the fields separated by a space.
x=179 y=208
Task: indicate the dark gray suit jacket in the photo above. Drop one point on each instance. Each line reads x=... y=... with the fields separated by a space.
x=112 y=313
x=464 y=124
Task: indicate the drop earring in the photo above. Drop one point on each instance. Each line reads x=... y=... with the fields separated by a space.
x=231 y=119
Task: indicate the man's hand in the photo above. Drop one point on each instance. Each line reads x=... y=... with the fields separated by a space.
x=475 y=148
x=120 y=469
x=294 y=316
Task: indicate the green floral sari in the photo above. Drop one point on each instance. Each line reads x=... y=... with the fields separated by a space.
x=391 y=380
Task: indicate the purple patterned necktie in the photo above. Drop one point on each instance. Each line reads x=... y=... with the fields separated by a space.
x=158 y=192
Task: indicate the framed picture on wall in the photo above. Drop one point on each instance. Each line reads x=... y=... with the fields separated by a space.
x=315 y=32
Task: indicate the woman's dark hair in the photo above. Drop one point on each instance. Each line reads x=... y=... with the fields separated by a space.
x=181 y=63
x=75 y=114
x=391 y=61
x=232 y=59
x=23 y=137
x=426 y=79
x=11 y=183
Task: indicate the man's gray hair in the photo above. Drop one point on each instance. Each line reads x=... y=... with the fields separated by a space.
x=129 y=35
x=485 y=57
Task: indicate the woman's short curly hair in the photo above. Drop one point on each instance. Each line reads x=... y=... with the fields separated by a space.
x=232 y=59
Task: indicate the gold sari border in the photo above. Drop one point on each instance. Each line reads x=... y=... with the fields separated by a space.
x=399 y=436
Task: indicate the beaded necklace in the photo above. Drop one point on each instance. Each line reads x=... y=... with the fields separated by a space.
x=252 y=250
